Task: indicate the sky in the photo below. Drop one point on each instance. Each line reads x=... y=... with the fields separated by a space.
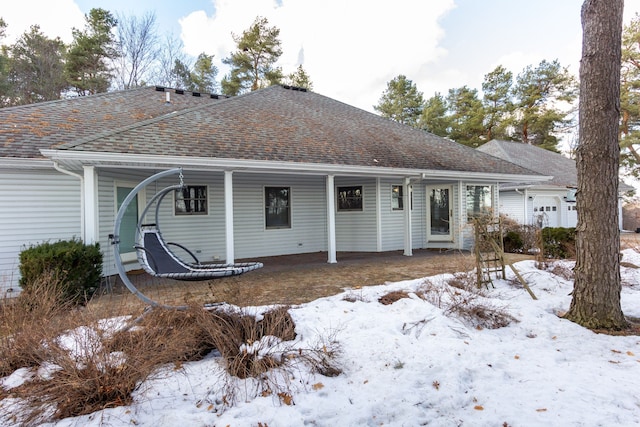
x=352 y=48
x=413 y=362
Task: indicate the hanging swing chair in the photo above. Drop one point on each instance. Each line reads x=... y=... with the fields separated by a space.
x=155 y=255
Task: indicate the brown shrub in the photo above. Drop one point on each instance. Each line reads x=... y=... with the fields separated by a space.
x=104 y=367
x=392 y=297
x=462 y=299
x=29 y=321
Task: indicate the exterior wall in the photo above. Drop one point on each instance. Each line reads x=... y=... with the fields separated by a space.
x=357 y=230
x=565 y=214
x=512 y=206
x=35 y=206
x=308 y=232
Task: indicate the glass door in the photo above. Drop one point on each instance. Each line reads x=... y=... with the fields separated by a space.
x=128 y=224
x=439 y=214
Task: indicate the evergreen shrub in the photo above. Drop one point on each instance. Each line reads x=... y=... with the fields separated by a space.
x=76 y=266
x=559 y=242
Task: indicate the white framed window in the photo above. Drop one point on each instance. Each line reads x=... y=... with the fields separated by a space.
x=479 y=201
x=191 y=200
x=349 y=198
x=277 y=207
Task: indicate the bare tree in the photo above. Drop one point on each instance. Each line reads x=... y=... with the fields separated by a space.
x=138 y=45
x=596 y=293
x=170 y=53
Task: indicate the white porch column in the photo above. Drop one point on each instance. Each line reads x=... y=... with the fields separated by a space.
x=228 y=217
x=406 y=203
x=90 y=206
x=331 y=221
x=378 y=216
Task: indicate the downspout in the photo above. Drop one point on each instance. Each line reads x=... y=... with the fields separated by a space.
x=60 y=169
x=524 y=197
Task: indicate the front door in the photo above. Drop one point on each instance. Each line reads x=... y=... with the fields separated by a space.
x=439 y=213
x=128 y=224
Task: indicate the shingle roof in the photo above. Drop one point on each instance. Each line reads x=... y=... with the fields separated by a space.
x=24 y=130
x=537 y=159
x=288 y=125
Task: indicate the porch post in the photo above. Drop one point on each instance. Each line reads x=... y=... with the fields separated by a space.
x=406 y=191
x=378 y=216
x=228 y=217
x=331 y=221
x=90 y=206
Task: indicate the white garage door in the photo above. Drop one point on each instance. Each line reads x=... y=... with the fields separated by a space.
x=546 y=211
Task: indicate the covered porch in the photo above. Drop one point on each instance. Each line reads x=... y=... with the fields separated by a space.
x=292 y=279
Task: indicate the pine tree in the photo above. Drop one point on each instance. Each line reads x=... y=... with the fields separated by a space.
x=5 y=86
x=202 y=78
x=401 y=101
x=87 y=67
x=36 y=68
x=253 y=63
x=596 y=293
x=466 y=115
x=434 y=117
x=497 y=103
x=538 y=93
x=630 y=96
x=300 y=78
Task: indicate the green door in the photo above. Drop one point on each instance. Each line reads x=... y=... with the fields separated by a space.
x=129 y=220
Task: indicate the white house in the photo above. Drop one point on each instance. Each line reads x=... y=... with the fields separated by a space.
x=277 y=171
x=549 y=203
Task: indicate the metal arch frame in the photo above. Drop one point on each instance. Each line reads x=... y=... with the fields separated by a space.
x=116 y=232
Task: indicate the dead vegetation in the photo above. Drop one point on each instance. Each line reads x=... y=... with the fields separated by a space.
x=77 y=362
x=459 y=297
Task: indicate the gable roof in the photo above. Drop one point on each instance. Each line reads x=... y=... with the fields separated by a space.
x=537 y=159
x=26 y=129
x=286 y=126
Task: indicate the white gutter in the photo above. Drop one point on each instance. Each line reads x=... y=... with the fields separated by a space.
x=60 y=169
x=207 y=163
x=24 y=163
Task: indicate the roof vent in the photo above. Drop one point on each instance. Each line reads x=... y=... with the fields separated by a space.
x=214 y=96
x=195 y=94
x=301 y=89
x=180 y=91
x=159 y=88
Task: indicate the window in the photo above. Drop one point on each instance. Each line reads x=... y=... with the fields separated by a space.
x=478 y=201
x=276 y=207
x=350 y=198
x=191 y=200
x=396 y=197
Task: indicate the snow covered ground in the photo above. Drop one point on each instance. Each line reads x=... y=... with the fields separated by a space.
x=410 y=364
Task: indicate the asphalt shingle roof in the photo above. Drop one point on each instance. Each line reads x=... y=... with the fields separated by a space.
x=26 y=129
x=288 y=125
x=545 y=162
x=274 y=124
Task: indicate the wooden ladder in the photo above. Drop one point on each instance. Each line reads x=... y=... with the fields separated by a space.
x=489 y=250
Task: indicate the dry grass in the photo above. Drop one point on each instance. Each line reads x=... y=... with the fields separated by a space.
x=460 y=297
x=80 y=363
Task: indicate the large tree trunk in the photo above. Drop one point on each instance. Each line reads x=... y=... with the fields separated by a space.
x=596 y=294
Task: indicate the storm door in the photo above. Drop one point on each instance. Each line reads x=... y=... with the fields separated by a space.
x=439 y=213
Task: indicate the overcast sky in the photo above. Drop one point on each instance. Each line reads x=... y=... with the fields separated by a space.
x=352 y=48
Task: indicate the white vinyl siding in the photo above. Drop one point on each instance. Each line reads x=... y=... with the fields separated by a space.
x=512 y=206
x=308 y=231
x=392 y=221
x=35 y=206
x=356 y=230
